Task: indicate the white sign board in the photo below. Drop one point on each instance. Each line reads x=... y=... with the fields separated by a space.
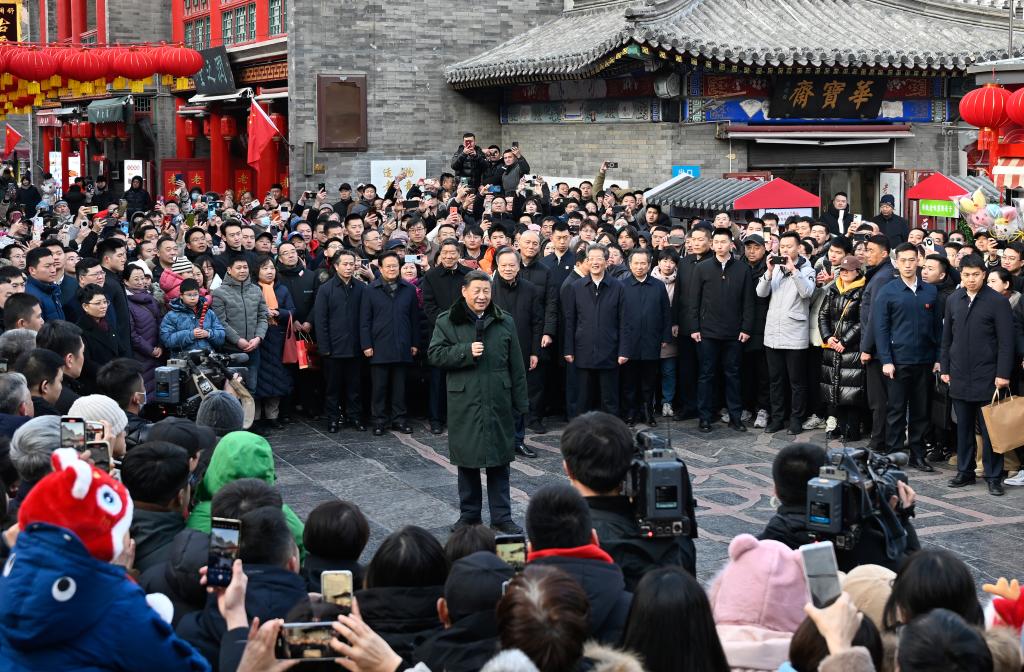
x=132 y=168
x=54 y=168
x=74 y=168
x=891 y=183
x=383 y=173
x=783 y=213
x=575 y=181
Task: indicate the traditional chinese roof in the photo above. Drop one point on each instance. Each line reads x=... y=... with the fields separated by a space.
x=904 y=34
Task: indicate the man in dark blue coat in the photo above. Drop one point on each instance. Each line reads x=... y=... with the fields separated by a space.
x=388 y=327
x=596 y=333
x=907 y=327
x=650 y=320
x=559 y=265
x=336 y=319
x=688 y=368
x=976 y=357
x=720 y=319
x=880 y=273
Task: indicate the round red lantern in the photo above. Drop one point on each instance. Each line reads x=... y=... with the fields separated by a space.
x=65 y=131
x=33 y=65
x=74 y=130
x=1015 y=107
x=228 y=127
x=206 y=127
x=178 y=61
x=134 y=64
x=84 y=130
x=191 y=130
x=281 y=123
x=100 y=132
x=122 y=130
x=985 y=107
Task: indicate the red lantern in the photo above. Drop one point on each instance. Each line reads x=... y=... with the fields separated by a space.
x=74 y=130
x=32 y=64
x=280 y=122
x=65 y=131
x=206 y=127
x=134 y=64
x=178 y=61
x=191 y=130
x=100 y=132
x=122 y=130
x=228 y=127
x=1015 y=107
x=985 y=107
x=85 y=130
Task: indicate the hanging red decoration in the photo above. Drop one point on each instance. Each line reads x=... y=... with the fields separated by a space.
x=100 y=132
x=121 y=130
x=74 y=130
x=85 y=130
x=206 y=127
x=228 y=127
x=32 y=64
x=134 y=65
x=1015 y=107
x=84 y=67
x=65 y=131
x=178 y=63
x=191 y=130
x=281 y=123
x=985 y=107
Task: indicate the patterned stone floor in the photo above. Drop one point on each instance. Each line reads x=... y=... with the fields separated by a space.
x=400 y=480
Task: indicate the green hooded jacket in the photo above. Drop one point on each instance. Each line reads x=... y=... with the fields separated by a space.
x=239 y=455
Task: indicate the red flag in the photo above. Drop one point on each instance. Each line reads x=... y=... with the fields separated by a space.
x=12 y=138
x=261 y=131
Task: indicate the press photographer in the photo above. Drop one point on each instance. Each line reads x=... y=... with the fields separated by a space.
x=599 y=456
x=884 y=534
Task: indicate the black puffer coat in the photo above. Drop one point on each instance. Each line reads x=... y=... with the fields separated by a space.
x=842 y=375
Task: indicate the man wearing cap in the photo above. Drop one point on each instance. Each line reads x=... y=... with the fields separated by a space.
x=344 y=199
x=754 y=371
x=891 y=225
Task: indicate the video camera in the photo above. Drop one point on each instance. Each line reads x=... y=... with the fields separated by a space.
x=658 y=485
x=852 y=488
x=183 y=383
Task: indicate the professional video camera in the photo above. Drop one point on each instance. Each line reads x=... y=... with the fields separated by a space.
x=852 y=488
x=658 y=484
x=183 y=383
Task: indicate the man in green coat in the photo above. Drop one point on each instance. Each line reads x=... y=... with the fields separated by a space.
x=475 y=343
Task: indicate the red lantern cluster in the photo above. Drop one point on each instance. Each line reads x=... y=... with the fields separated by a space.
x=986 y=109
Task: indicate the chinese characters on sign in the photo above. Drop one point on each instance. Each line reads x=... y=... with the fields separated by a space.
x=215 y=78
x=9 y=23
x=827 y=96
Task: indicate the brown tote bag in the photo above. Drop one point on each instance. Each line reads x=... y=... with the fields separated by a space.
x=1004 y=419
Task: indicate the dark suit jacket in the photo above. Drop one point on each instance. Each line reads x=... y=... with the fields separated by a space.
x=977 y=343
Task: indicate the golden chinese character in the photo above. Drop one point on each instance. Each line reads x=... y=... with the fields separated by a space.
x=801 y=94
x=862 y=94
x=832 y=91
x=196 y=179
x=388 y=173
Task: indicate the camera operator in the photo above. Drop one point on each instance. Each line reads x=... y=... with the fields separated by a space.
x=597 y=453
x=796 y=464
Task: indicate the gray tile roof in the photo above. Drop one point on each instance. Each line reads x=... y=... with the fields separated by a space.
x=705 y=193
x=932 y=34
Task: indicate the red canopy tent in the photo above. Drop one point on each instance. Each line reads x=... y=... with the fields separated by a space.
x=939 y=187
x=777 y=193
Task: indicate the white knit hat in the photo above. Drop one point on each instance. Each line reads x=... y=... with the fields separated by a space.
x=98 y=407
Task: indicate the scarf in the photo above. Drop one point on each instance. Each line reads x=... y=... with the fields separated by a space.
x=269 y=296
x=844 y=288
x=588 y=552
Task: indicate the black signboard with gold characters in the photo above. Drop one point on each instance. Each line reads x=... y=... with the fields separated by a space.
x=827 y=96
x=10 y=25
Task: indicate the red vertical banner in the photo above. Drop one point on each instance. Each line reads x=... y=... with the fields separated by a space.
x=243 y=181
x=168 y=181
x=283 y=181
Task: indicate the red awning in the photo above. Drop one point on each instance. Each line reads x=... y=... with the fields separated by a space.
x=935 y=187
x=1009 y=174
x=777 y=194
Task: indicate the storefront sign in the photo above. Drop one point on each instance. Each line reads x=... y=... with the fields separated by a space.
x=54 y=168
x=827 y=96
x=74 y=167
x=692 y=171
x=132 y=168
x=215 y=78
x=10 y=22
x=383 y=173
x=759 y=109
x=637 y=110
x=927 y=208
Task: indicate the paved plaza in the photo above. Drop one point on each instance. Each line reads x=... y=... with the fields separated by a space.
x=406 y=480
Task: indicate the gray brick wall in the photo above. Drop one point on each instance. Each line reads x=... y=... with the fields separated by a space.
x=402 y=48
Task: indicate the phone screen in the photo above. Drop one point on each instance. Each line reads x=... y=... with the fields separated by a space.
x=336 y=588
x=72 y=433
x=99 y=453
x=94 y=430
x=512 y=549
x=821 y=572
x=305 y=641
x=224 y=540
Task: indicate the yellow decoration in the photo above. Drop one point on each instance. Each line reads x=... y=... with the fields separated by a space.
x=55 y=80
x=33 y=87
x=138 y=86
x=181 y=83
x=120 y=83
x=167 y=80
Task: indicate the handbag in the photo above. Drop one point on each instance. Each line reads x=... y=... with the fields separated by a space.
x=1004 y=419
x=942 y=406
x=290 y=353
x=307 y=355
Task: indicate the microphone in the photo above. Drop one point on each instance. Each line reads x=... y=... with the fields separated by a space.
x=480 y=331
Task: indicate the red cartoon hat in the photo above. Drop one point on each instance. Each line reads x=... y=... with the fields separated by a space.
x=83 y=499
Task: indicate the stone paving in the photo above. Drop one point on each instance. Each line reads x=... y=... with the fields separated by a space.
x=406 y=480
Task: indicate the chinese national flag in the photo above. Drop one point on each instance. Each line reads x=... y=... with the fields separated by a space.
x=261 y=131
x=12 y=138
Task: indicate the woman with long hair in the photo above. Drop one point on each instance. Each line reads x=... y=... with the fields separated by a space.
x=274 y=379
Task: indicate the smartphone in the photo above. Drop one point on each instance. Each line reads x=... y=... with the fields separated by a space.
x=160 y=200
x=821 y=572
x=305 y=641
x=412 y=259
x=464 y=181
x=336 y=588
x=224 y=539
x=99 y=452
x=411 y=204
x=321 y=186
x=454 y=210
x=494 y=188
x=512 y=549
x=515 y=144
x=72 y=432
x=3 y=366
x=365 y=263
x=91 y=210
x=779 y=260
x=613 y=164
x=179 y=177
x=285 y=210
x=93 y=430
x=856 y=218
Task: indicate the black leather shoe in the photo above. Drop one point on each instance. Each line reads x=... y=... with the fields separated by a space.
x=333 y=426
x=795 y=428
x=705 y=427
x=403 y=427
x=358 y=426
x=922 y=465
x=508 y=527
x=462 y=522
x=774 y=427
x=650 y=418
x=525 y=451
x=436 y=428
x=681 y=417
x=737 y=425
x=537 y=427
x=378 y=430
x=962 y=479
x=995 y=487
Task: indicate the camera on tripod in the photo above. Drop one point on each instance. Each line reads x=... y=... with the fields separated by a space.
x=658 y=485
x=852 y=488
x=184 y=382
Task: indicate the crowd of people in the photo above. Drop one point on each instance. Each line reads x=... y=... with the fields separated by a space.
x=361 y=312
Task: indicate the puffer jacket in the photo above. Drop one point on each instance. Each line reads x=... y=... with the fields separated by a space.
x=242 y=311
x=842 y=374
x=179 y=323
x=787 y=325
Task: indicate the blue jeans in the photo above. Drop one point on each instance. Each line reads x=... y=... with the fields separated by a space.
x=668 y=380
x=713 y=353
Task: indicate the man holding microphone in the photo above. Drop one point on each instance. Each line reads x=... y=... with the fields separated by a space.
x=475 y=342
